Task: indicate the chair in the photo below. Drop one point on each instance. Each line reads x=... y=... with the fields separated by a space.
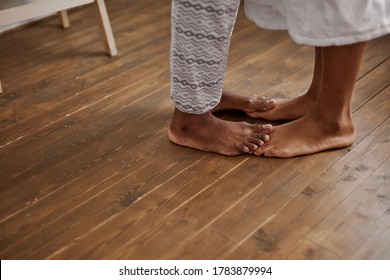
x=43 y=7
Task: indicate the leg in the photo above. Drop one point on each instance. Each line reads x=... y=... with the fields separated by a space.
x=64 y=18
x=105 y=28
x=295 y=108
x=201 y=32
x=328 y=124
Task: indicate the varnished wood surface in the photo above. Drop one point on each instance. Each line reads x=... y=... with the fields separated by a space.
x=87 y=170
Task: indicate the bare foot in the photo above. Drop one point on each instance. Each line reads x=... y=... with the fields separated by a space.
x=307 y=135
x=208 y=133
x=247 y=104
x=287 y=109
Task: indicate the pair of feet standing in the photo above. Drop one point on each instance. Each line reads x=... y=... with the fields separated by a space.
x=310 y=131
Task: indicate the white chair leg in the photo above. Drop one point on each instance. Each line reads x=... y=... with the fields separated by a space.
x=64 y=18
x=105 y=27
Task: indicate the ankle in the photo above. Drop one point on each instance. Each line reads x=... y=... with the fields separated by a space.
x=310 y=97
x=230 y=101
x=338 y=125
x=183 y=122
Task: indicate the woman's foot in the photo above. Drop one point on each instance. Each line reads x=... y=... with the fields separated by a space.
x=287 y=109
x=208 y=133
x=247 y=104
x=307 y=135
x=270 y=109
x=328 y=124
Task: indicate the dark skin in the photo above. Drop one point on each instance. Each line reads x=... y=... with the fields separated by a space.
x=323 y=115
x=208 y=133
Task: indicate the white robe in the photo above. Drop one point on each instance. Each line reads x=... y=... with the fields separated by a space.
x=323 y=22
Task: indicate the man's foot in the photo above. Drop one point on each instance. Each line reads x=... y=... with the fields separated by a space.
x=287 y=109
x=208 y=133
x=247 y=104
x=307 y=135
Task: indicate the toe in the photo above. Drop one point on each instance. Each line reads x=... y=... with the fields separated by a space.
x=256 y=140
x=260 y=103
x=267 y=104
x=258 y=152
x=252 y=147
x=262 y=150
x=243 y=150
x=265 y=138
x=263 y=128
x=278 y=153
x=261 y=136
x=270 y=153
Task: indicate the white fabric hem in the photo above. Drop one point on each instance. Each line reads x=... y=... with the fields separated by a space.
x=269 y=14
x=345 y=40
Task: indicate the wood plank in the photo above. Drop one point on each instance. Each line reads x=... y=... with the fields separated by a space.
x=270 y=82
x=31 y=37
x=154 y=240
x=374 y=54
x=245 y=219
x=55 y=142
x=85 y=157
x=18 y=176
x=85 y=45
x=95 y=176
x=201 y=246
x=371 y=244
x=46 y=190
x=353 y=218
x=83 y=55
x=375 y=245
x=308 y=250
x=319 y=198
x=295 y=176
x=79 y=84
x=382 y=247
x=143 y=21
x=194 y=215
x=82 y=82
x=236 y=221
x=61 y=123
x=140 y=214
x=54 y=105
x=36 y=9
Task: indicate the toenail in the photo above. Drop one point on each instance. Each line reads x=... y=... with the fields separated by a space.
x=261 y=143
x=267 y=126
x=271 y=101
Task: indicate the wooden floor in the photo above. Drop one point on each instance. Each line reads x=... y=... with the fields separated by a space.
x=87 y=170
